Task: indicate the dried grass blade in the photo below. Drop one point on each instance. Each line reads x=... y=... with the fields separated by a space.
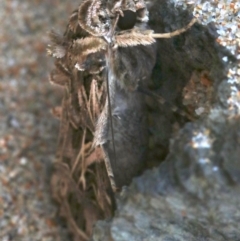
x=80 y=153
x=73 y=224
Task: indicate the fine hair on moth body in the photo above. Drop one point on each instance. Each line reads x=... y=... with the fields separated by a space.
x=119 y=29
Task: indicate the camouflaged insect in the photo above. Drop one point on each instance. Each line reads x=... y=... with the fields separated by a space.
x=102 y=61
x=86 y=55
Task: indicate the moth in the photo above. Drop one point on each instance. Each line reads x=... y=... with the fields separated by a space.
x=104 y=62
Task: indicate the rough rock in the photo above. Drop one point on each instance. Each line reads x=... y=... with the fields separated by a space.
x=194 y=194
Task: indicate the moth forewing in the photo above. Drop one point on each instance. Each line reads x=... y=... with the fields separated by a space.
x=79 y=189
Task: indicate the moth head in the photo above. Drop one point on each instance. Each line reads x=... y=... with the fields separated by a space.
x=94 y=18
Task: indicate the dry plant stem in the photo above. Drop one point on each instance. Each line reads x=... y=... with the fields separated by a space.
x=76 y=228
x=64 y=141
x=174 y=33
x=80 y=153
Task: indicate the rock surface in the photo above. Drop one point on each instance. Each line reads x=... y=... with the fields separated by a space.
x=27 y=128
x=194 y=194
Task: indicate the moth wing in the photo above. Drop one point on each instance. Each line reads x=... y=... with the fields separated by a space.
x=80 y=181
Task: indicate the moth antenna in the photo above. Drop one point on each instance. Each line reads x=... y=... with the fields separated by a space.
x=176 y=32
x=147 y=37
x=134 y=38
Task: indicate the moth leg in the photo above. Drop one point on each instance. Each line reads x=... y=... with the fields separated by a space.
x=101 y=139
x=109 y=168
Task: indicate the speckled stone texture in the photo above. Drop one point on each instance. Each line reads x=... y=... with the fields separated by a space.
x=194 y=195
x=28 y=131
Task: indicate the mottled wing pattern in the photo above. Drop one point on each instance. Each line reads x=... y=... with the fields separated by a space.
x=80 y=183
